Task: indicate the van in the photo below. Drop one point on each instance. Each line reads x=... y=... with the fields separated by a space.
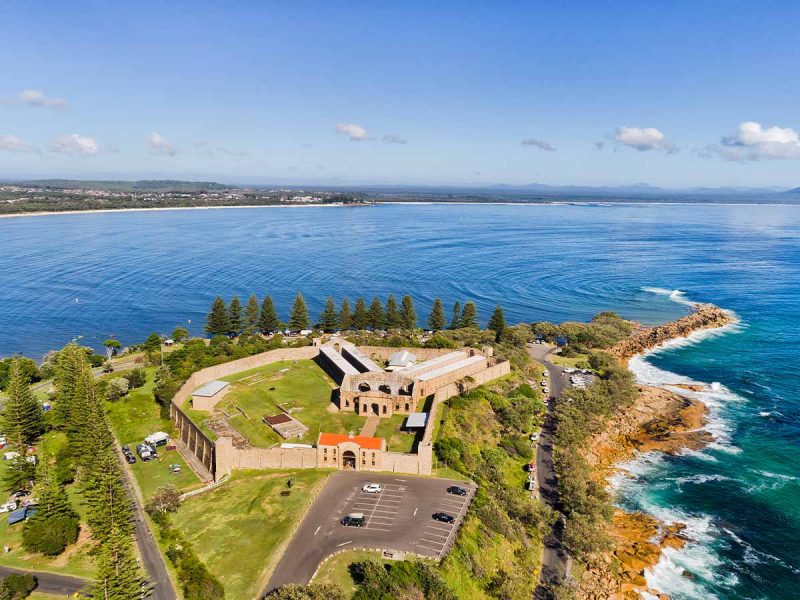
x=146 y=452
x=159 y=438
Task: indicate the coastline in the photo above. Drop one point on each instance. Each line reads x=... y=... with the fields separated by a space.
x=666 y=418
x=165 y=208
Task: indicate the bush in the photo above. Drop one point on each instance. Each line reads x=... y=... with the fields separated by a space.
x=165 y=499
x=136 y=378
x=50 y=537
x=116 y=388
x=17 y=587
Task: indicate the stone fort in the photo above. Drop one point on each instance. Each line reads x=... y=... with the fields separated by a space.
x=365 y=387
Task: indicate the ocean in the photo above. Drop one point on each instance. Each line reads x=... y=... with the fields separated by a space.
x=92 y=276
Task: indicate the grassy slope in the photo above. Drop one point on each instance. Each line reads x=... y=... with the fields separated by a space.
x=135 y=417
x=237 y=527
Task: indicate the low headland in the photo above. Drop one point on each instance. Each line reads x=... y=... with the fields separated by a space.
x=667 y=419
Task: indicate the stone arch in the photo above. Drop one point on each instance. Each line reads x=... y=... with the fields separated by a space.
x=407 y=407
x=384 y=387
x=349 y=460
x=376 y=410
x=364 y=386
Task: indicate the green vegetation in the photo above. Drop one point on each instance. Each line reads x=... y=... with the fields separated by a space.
x=396 y=440
x=408 y=316
x=436 y=320
x=580 y=414
x=497 y=323
x=298 y=319
x=237 y=528
x=17 y=587
x=337 y=570
x=603 y=331
x=484 y=437
x=133 y=419
x=469 y=316
x=300 y=385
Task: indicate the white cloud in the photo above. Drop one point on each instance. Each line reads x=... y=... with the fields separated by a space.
x=38 y=98
x=390 y=138
x=754 y=142
x=537 y=143
x=643 y=139
x=356 y=133
x=160 y=145
x=11 y=143
x=75 y=144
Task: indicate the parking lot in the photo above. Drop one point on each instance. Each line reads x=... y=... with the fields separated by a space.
x=399 y=518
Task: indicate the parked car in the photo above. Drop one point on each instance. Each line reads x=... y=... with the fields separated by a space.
x=130 y=458
x=443 y=517
x=534 y=436
x=146 y=452
x=8 y=506
x=126 y=450
x=159 y=438
x=354 y=520
x=372 y=488
x=456 y=490
x=20 y=494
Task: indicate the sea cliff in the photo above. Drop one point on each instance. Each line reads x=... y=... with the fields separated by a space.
x=666 y=420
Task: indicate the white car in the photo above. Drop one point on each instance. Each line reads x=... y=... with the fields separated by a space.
x=8 y=507
x=371 y=488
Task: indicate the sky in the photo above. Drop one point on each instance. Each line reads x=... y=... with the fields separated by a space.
x=676 y=94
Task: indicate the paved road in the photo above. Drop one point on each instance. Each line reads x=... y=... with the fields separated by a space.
x=554 y=557
x=399 y=518
x=152 y=560
x=50 y=583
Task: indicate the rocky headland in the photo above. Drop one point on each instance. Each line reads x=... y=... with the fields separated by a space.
x=667 y=419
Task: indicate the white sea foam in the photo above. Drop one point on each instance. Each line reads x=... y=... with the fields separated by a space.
x=674 y=295
x=770 y=413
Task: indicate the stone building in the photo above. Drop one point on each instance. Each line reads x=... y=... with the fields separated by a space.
x=357 y=452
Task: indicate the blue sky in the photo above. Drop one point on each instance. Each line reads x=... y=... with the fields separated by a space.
x=603 y=93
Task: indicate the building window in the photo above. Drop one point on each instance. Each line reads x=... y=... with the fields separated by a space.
x=384 y=409
x=373 y=462
x=347 y=402
x=406 y=406
x=397 y=407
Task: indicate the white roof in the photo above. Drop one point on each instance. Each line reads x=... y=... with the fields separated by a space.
x=362 y=359
x=339 y=360
x=212 y=388
x=433 y=362
x=417 y=420
x=402 y=358
x=450 y=367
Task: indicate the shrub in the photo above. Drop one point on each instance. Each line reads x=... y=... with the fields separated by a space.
x=52 y=536
x=116 y=388
x=136 y=378
x=165 y=499
x=17 y=587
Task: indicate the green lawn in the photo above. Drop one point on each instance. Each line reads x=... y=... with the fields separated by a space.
x=237 y=528
x=564 y=361
x=301 y=384
x=135 y=417
x=336 y=569
x=396 y=440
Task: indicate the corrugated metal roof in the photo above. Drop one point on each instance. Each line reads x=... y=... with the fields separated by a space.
x=451 y=367
x=212 y=388
x=433 y=362
x=401 y=358
x=339 y=360
x=362 y=359
x=417 y=420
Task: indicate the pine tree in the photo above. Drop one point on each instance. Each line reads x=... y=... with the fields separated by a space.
x=408 y=316
x=235 y=317
x=498 y=323
x=393 y=319
x=469 y=316
x=455 y=322
x=328 y=318
x=22 y=419
x=376 y=316
x=251 y=313
x=298 y=320
x=268 y=321
x=68 y=365
x=345 y=316
x=360 y=315
x=217 y=322
x=436 y=319
x=118 y=574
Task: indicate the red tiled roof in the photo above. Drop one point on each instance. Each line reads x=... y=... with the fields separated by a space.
x=334 y=439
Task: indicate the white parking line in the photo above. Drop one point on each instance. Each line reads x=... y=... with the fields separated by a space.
x=437 y=550
x=438 y=527
x=376 y=529
x=436 y=535
x=344 y=543
x=317 y=531
x=435 y=542
x=415 y=511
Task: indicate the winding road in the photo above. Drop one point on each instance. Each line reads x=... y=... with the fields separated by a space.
x=555 y=561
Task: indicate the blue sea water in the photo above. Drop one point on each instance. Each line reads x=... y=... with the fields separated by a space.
x=126 y=274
